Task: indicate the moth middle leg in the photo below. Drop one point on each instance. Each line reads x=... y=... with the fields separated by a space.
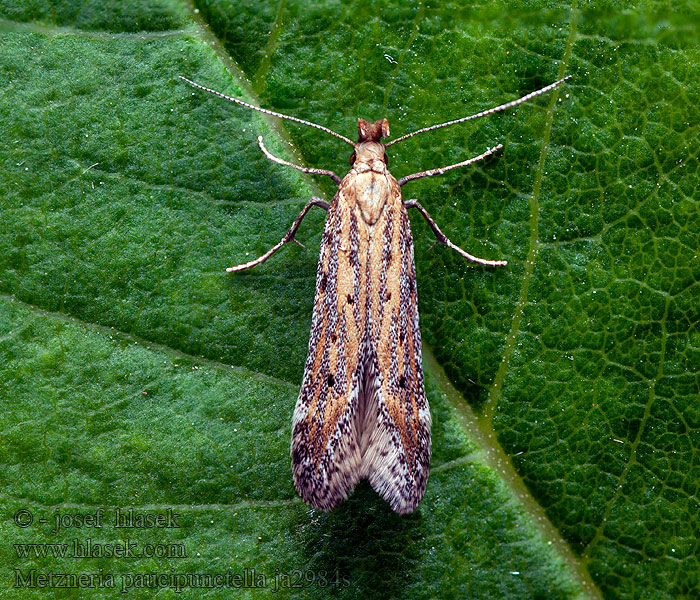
x=442 y=238
x=288 y=237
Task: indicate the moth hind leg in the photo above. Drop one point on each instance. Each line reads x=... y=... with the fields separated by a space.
x=288 y=237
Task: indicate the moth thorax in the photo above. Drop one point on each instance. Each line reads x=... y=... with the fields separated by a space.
x=368 y=152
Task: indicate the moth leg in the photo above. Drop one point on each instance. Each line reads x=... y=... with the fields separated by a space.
x=442 y=238
x=288 y=237
x=279 y=161
x=441 y=170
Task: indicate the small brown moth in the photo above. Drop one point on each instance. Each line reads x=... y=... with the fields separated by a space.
x=362 y=411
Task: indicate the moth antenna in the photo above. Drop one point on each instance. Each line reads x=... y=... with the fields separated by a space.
x=511 y=104
x=267 y=112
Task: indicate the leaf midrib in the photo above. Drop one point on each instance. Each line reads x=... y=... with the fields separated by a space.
x=533 y=250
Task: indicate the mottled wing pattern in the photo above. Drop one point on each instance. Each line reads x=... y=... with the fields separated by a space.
x=396 y=455
x=362 y=411
x=325 y=451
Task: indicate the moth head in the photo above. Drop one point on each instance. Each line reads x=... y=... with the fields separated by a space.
x=369 y=137
x=372 y=132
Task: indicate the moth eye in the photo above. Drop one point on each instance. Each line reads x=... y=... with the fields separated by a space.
x=353 y=156
x=402 y=381
x=331 y=380
x=350 y=299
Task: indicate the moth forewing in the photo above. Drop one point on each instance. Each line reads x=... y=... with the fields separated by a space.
x=362 y=411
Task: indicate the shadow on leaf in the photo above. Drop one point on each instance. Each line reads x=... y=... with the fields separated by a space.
x=365 y=545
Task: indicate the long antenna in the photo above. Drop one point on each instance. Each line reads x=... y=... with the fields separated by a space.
x=543 y=90
x=267 y=112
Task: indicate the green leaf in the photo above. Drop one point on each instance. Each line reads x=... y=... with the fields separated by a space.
x=137 y=373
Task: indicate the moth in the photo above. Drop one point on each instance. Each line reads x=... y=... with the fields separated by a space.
x=362 y=412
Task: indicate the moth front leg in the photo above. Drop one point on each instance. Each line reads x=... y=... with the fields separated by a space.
x=288 y=237
x=279 y=161
x=441 y=170
x=442 y=238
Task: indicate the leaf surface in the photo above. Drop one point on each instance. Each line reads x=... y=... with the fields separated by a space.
x=137 y=373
